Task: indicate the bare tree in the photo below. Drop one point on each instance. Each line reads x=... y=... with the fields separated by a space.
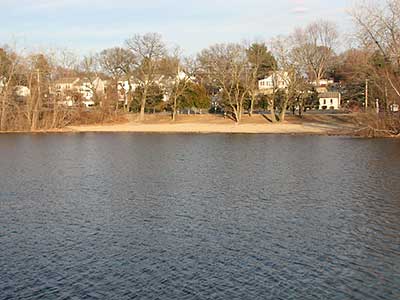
x=148 y=50
x=314 y=48
x=227 y=66
x=379 y=29
x=9 y=62
x=119 y=63
x=39 y=82
x=66 y=63
x=179 y=72
x=91 y=71
x=290 y=73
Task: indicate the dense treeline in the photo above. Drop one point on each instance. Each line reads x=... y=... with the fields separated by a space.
x=143 y=75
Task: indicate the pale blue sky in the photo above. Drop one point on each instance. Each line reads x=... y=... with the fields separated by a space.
x=91 y=25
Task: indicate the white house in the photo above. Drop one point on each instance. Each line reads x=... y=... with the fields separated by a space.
x=123 y=89
x=278 y=80
x=162 y=81
x=323 y=85
x=65 y=84
x=87 y=88
x=329 y=100
x=22 y=91
x=322 y=82
x=81 y=86
x=394 y=107
x=62 y=87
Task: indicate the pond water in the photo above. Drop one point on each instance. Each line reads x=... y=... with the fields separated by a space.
x=136 y=216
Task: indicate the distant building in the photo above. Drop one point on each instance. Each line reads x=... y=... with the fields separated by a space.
x=323 y=82
x=161 y=81
x=22 y=91
x=123 y=89
x=329 y=100
x=394 y=107
x=323 y=85
x=278 y=80
x=64 y=87
x=86 y=87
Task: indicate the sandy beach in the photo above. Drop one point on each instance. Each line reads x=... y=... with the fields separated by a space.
x=258 y=124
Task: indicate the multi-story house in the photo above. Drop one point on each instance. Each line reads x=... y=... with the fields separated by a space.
x=329 y=100
x=277 y=80
x=66 y=87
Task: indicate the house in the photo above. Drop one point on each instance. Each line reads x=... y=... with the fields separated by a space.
x=87 y=89
x=322 y=85
x=64 y=87
x=65 y=84
x=123 y=89
x=323 y=82
x=394 y=107
x=278 y=80
x=21 y=91
x=329 y=100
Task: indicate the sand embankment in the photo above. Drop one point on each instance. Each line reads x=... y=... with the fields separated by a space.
x=310 y=124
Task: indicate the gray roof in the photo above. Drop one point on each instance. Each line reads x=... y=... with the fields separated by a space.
x=329 y=95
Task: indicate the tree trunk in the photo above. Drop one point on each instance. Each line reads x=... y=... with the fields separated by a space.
x=273 y=115
x=282 y=113
x=143 y=104
x=253 y=100
x=35 y=116
x=272 y=109
x=301 y=111
x=240 y=111
x=236 y=114
x=174 y=110
x=3 y=115
x=55 y=114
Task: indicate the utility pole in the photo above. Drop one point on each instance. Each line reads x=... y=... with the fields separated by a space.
x=366 y=94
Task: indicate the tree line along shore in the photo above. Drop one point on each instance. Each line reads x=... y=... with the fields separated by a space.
x=303 y=73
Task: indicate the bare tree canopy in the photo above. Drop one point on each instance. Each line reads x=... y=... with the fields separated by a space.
x=314 y=47
x=228 y=67
x=379 y=29
x=45 y=89
x=291 y=73
x=117 y=62
x=148 y=50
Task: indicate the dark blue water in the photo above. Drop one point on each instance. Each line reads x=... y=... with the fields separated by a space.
x=129 y=216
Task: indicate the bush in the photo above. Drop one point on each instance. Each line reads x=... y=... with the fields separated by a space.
x=372 y=124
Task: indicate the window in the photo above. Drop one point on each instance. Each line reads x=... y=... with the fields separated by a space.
x=324 y=101
x=331 y=101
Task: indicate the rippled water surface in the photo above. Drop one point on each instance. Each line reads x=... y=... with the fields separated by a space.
x=125 y=216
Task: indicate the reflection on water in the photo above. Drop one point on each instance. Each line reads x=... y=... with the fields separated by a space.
x=119 y=216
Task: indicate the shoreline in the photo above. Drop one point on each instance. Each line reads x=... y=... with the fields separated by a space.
x=323 y=125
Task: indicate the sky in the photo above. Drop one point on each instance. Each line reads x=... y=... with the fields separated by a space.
x=86 y=26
